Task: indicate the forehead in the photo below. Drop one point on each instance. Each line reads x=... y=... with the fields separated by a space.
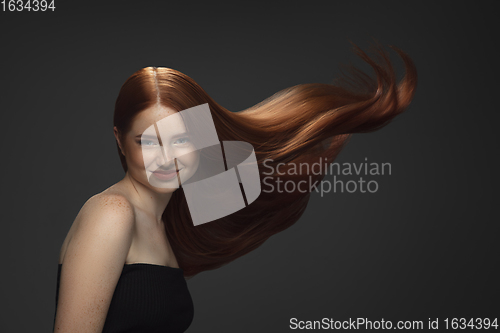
x=167 y=118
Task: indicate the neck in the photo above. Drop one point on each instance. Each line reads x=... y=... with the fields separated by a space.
x=152 y=202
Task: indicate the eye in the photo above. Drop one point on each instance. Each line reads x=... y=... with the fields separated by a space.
x=148 y=143
x=181 y=141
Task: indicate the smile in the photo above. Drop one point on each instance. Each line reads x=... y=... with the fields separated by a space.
x=164 y=175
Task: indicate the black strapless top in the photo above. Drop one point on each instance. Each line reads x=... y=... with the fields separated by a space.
x=148 y=298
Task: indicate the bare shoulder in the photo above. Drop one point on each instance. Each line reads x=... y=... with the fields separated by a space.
x=109 y=208
x=93 y=262
x=104 y=215
x=109 y=203
x=112 y=210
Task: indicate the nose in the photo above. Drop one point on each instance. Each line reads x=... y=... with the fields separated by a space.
x=165 y=157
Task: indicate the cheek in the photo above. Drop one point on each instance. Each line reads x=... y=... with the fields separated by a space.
x=136 y=158
x=190 y=160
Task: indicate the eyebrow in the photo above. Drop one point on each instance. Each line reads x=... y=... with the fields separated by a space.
x=149 y=136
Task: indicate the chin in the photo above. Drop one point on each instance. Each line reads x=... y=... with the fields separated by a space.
x=164 y=190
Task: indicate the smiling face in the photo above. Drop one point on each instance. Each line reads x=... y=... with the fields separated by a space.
x=157 y=146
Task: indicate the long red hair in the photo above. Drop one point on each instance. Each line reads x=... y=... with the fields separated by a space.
x=301 y=124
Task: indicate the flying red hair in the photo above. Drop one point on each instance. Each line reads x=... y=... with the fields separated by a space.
x=300 y=124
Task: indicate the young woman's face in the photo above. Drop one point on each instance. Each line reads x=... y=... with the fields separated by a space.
x=156 y=146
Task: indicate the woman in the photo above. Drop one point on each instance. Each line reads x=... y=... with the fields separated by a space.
x=131 y=246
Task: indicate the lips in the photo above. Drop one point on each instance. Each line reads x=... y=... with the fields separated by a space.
x=166 y=175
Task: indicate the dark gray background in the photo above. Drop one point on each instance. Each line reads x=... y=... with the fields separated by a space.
x=424 y=246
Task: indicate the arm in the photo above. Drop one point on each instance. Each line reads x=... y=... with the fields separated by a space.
x=93 y=263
